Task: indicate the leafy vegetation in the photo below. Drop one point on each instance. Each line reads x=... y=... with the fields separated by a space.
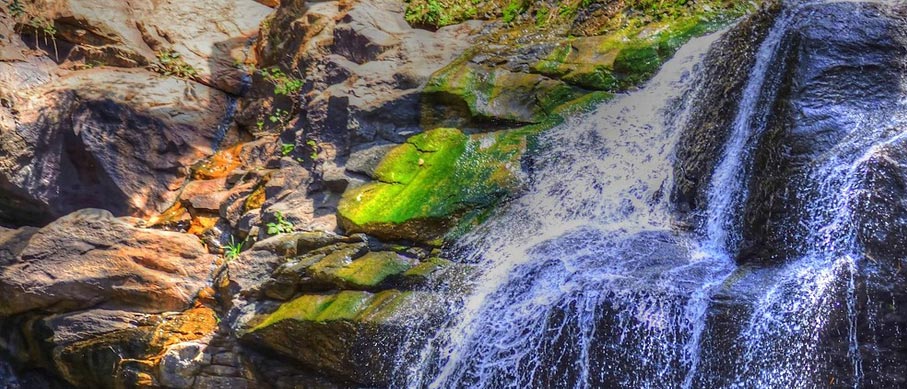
x=171 y=63
x=287 y=148
x=440 y=13
x=280 y=225
x=314 y=147
x=513 y=9
x=283 y=84
x=280 y=116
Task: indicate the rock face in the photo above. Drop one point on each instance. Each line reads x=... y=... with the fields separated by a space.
x=114 y=139
x=76 y=125
x=364 y=69
x=91 y=259
x=208 y=37
x=816 y=128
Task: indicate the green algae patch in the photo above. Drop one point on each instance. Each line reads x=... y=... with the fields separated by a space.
x=427 y=183
x=343 y=306
x=373 y=268
x=327 y=332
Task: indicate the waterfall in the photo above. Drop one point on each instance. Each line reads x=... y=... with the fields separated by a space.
x=591 y=240
x=587 y=281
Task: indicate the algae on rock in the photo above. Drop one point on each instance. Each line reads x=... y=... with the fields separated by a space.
x=426 y=183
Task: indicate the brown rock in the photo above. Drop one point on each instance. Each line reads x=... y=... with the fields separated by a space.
x=91 y=259
x=120 y=140
x=208 y=36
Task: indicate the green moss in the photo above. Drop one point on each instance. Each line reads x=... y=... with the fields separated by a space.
x=453 y=173
x=541 y=17
x=373 y=268
x=425 y=269
x=354 y=306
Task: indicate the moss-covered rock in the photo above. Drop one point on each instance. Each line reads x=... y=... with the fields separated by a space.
x=352 y=335
x=373 y=268
x=426 y=183
x=467 y=94
x=521 y=73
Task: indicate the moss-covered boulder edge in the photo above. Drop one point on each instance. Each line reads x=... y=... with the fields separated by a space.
x=482 y=111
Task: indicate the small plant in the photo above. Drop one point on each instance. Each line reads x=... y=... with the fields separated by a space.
x=287 y=148
x=440 y=13
x=314 y=147
x=279 y=116
x=28 y=14
x=541 y=17
x=15 y=7
x=283 y=84
x=45 y=28
x=170 y=63
x=260 y=124
x=280 y=225
x=233 y=249
x=513 y=9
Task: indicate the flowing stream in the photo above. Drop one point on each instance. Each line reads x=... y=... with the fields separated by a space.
x=590 y=283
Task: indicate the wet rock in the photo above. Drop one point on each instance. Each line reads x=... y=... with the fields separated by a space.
x=727 y=68
x=339 y=334
x=91 y=259
x=880 y=207
x=832 y=102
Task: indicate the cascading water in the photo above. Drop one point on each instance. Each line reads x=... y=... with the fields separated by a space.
x=589 y=283
x=590 y=244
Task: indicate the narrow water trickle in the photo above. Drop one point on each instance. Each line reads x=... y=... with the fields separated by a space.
x=727 y=191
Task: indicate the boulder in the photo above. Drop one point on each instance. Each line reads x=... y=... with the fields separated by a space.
x=91 y=259
x=121 y=140
x=120 y=350
x=357 y=336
